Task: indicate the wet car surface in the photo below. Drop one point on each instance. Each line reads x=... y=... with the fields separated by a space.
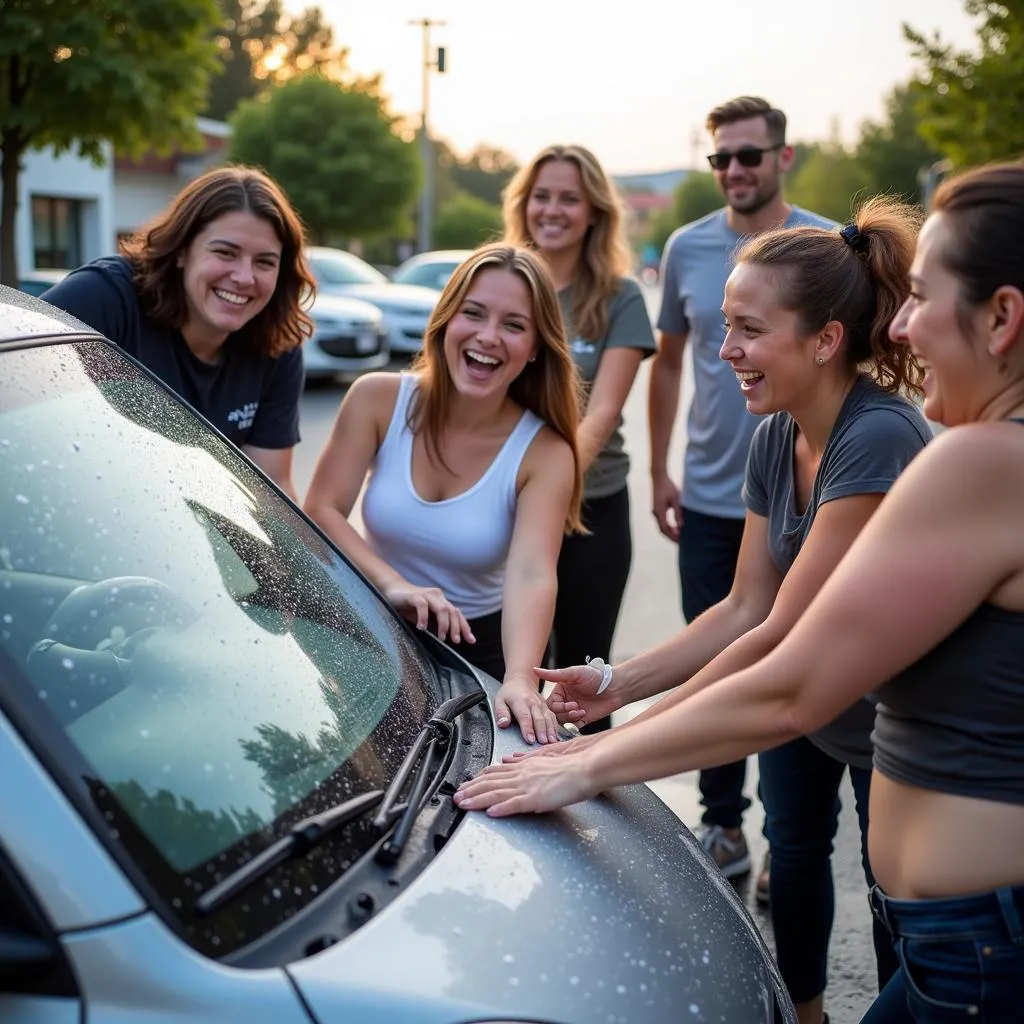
x=228 y=763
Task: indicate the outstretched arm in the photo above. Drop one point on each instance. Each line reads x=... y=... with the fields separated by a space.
x=531 y=584
x=676 y=660
x=945 y=540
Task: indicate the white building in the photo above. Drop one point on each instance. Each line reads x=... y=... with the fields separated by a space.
x=65 y=211
x=70 y=211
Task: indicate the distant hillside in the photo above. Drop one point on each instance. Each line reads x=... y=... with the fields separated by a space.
x=660 y=182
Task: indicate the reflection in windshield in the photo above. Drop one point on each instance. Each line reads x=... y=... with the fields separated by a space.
x=270 y=677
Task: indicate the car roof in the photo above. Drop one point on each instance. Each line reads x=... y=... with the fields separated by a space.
x=24 y=316
x=438 y=256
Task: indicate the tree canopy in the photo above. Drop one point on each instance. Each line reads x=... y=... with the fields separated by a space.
x=260 y=44
x=74 y=73
x=970 y=103
x=466 y=221
x=333 y=149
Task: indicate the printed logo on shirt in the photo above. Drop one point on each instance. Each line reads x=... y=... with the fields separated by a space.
x=243 y=417
x=581 y=347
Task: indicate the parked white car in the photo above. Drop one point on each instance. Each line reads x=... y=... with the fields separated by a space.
x=430 y=269
x=406 y=308
x=349 y=338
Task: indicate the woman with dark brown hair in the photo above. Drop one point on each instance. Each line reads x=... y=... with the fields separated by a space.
x=209 y=296
x=807 y=314
x=473 y=474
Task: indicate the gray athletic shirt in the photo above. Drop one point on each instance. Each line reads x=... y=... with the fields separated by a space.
x=629 y=326
x=697 y=262
x=873 y=440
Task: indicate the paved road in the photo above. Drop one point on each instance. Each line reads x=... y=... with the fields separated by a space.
x=650 y=614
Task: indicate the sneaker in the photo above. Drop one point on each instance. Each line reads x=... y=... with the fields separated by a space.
x=731 y=855
x=761 y=887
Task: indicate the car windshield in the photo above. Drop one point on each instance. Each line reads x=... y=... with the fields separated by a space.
x=338 y=267
x=428 y=275
x=209 y=667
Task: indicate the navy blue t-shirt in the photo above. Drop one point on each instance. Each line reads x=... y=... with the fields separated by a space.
x=252 y=398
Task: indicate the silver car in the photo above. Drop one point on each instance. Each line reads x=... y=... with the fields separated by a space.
x=227 y=764
x=406 y=307
x=349 y=337
x=430 y=269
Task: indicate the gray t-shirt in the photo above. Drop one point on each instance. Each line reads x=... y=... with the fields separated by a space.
x=873 y=440
x=629 y=326
x=697 y=262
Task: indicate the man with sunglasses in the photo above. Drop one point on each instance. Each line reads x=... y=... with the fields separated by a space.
x=706 y=520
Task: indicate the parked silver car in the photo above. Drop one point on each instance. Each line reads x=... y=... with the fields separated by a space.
x=430 y=269
x=406 y=308
x=349 y=337
x=227 y=763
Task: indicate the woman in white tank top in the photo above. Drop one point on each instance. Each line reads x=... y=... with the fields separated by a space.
x=473 y=474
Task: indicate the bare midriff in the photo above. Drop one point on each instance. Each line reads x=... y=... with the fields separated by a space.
x=929 y=845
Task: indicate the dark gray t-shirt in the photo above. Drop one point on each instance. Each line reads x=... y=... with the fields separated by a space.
x=697 y=262
x=873 y=440
x=629 y=326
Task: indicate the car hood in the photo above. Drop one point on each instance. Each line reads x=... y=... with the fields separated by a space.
x=606 y=911
x=412 y=298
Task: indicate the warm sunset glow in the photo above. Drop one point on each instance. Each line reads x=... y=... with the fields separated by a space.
x=634 y=81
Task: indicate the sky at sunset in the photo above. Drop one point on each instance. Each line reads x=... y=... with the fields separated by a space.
x=635 y=81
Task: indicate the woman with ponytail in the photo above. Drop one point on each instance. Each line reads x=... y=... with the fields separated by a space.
x=807 y=314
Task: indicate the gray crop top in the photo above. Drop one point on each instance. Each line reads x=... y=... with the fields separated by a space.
x=954 y=720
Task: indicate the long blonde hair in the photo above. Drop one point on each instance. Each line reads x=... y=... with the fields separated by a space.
x=606 y=255
x=548 y=386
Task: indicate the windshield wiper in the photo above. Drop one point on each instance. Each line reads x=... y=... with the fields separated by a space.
x=299 y=840
x=433 y=739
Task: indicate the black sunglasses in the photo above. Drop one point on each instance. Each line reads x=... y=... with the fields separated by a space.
x=748 y=156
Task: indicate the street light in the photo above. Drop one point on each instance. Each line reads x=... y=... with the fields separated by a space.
x=426 y=152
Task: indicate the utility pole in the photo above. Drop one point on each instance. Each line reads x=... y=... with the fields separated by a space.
x=426 y=150
x=696 y=138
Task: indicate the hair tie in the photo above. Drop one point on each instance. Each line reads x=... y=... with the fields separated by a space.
x=855 y=239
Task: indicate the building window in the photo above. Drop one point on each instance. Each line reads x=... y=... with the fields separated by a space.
x=56 y=232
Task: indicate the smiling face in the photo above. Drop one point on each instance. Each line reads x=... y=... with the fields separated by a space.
x=558 y=212
x=229 y=271
x=932 y=322
x=492 y=334
x=750 y=189
x=775 y=367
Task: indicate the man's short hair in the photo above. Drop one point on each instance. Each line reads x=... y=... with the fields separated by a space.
x=744 y=107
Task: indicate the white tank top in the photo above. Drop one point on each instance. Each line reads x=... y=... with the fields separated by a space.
x=459 y=544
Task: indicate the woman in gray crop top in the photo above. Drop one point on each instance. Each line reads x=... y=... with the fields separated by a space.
x=473 y=474
x=808 y=311
x=926 y=610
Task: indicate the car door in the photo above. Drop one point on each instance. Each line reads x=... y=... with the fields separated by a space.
x=36 y=983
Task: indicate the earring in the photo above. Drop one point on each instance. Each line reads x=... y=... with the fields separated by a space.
x=821 y=360
x=532 y=359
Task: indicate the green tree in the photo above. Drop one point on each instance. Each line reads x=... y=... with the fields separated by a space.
x=333 y=149
x=970 y=104
x=485 y=173
x=830 y=182
x=893 y=153
x=696 y=196
x=75 y=73
x=466 y=222
x=261 y=45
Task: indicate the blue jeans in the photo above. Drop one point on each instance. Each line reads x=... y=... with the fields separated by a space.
x=709 y=547
x=961 y=959
x=800 y=793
